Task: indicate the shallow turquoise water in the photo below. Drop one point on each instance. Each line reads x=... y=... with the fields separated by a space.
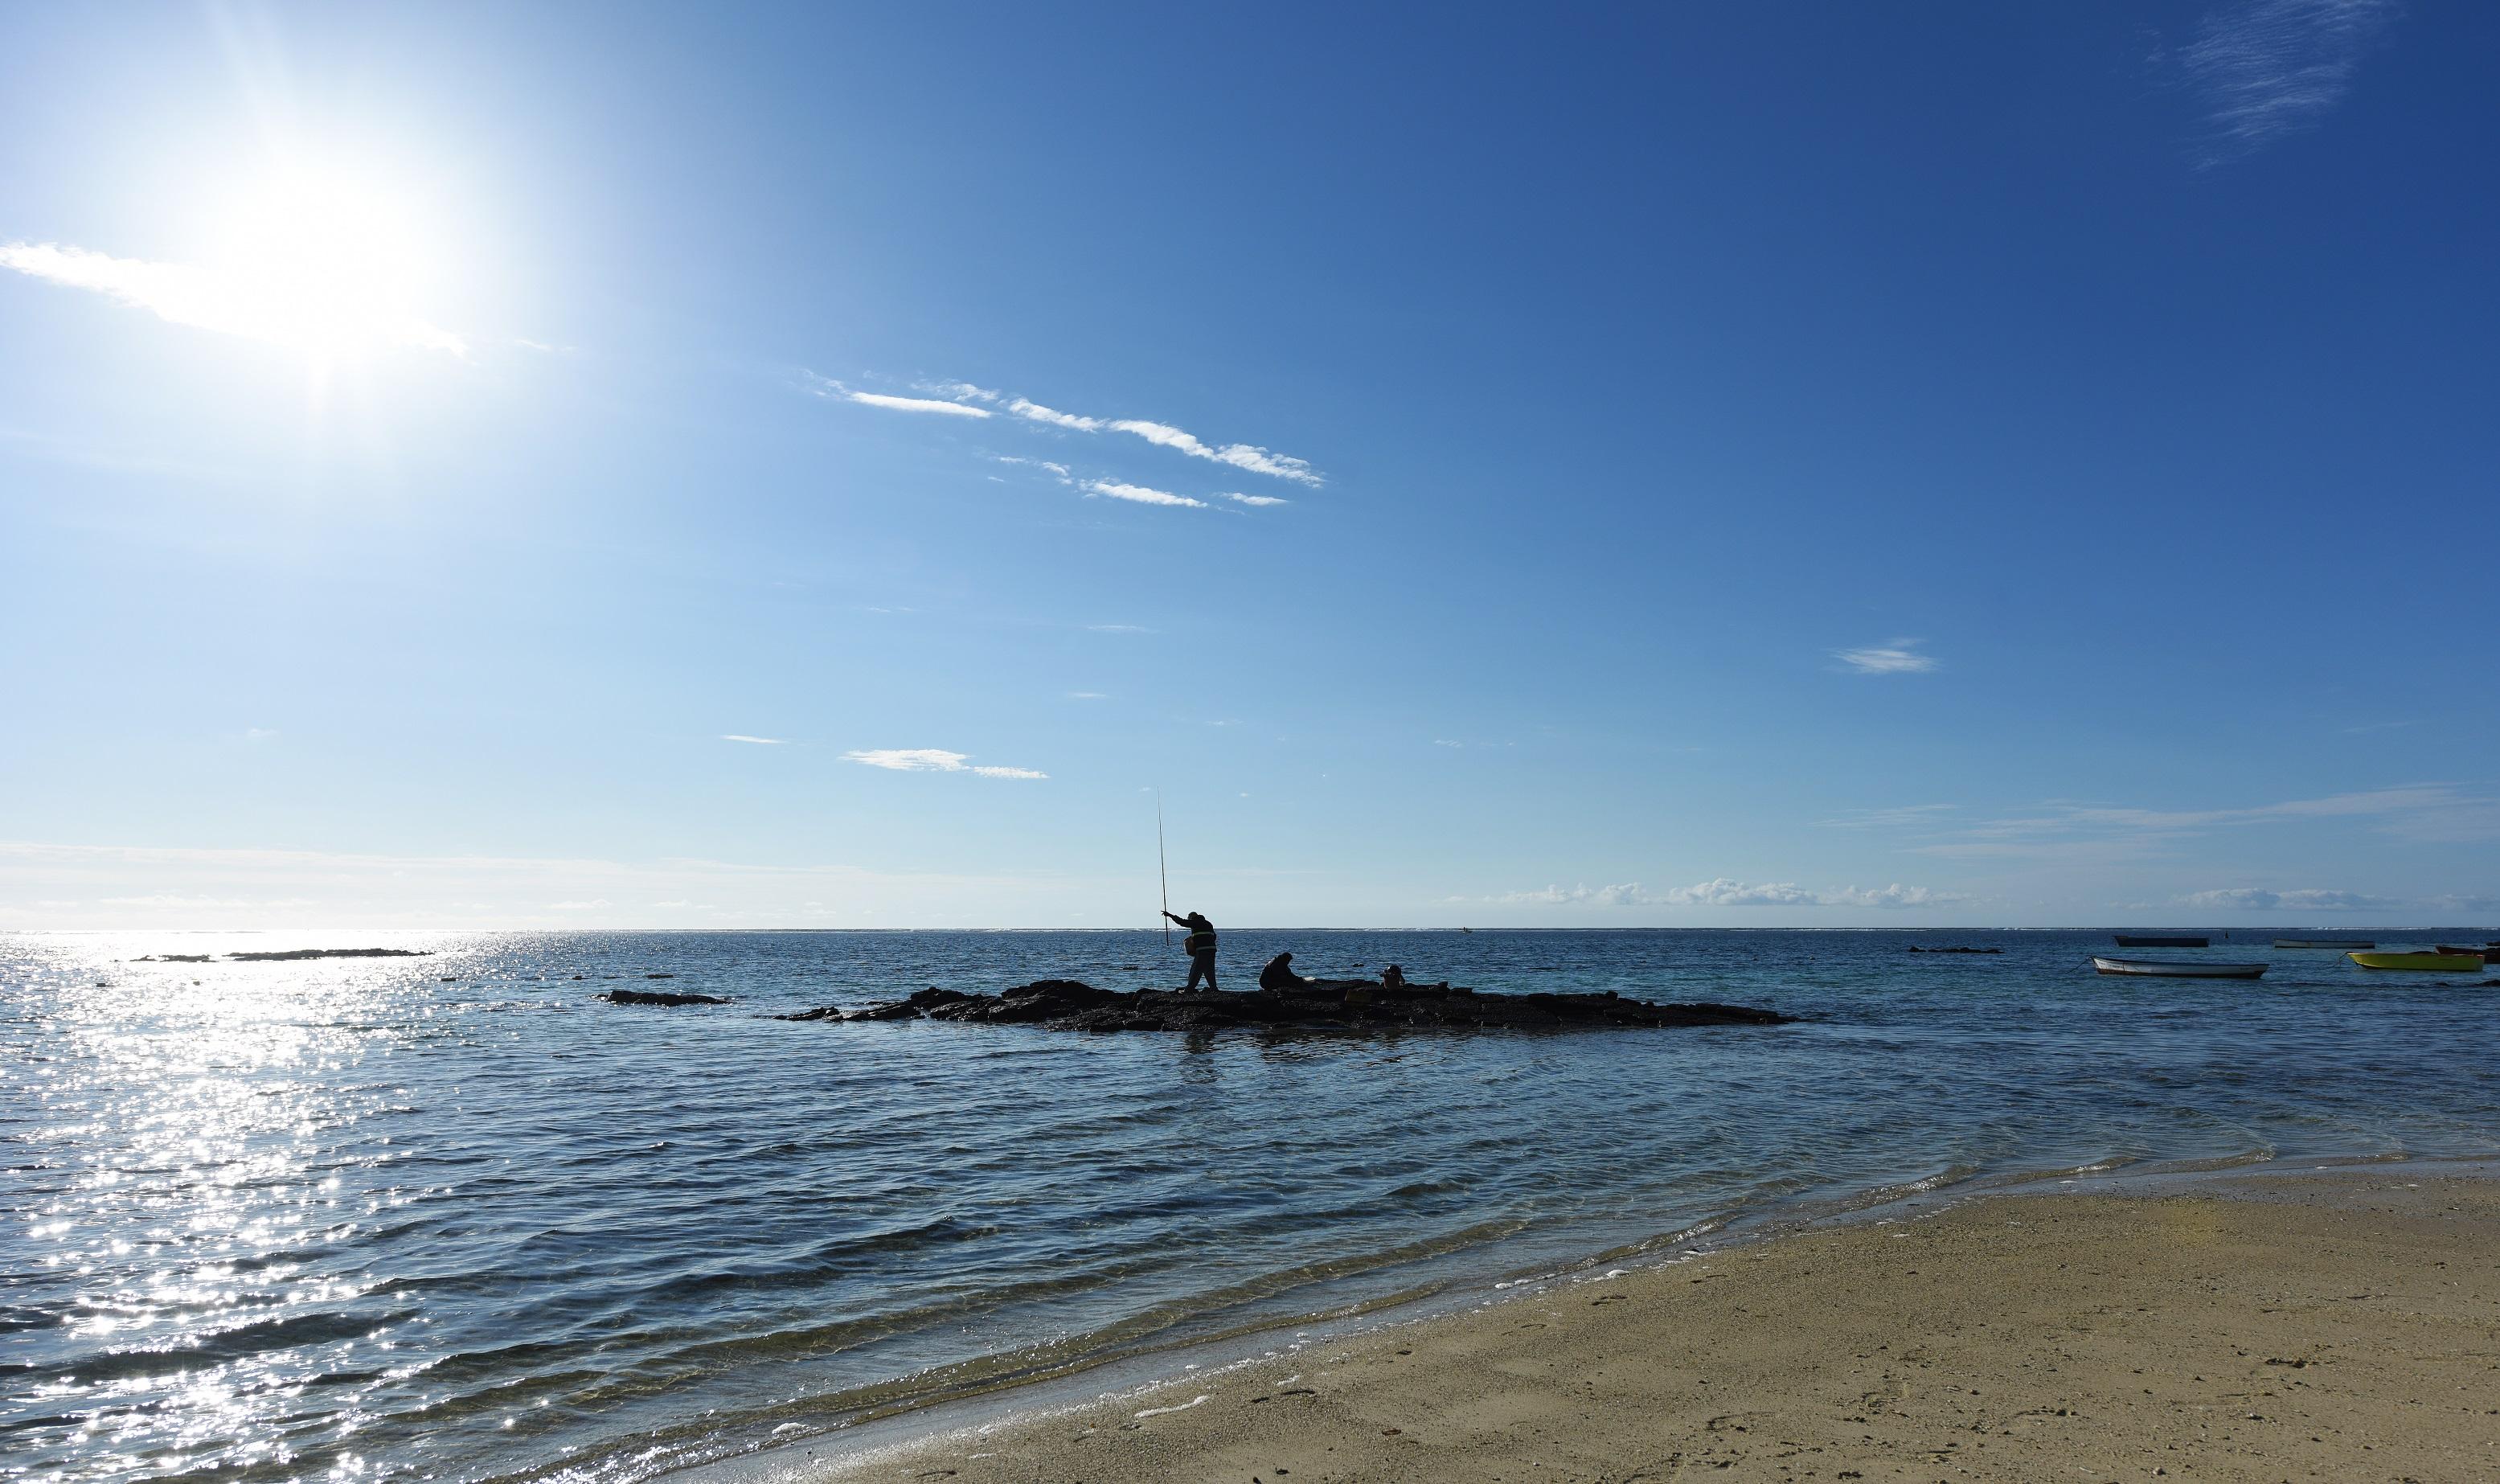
x=452 y=1217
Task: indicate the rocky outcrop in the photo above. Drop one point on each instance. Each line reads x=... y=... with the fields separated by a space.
x=1315 y=1004
x=658 y=997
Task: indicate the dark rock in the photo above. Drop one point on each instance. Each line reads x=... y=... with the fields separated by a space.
x=175 y=958
x=926 y=1002
x=659 y=976
x=658 y=997
x=1313 y=1005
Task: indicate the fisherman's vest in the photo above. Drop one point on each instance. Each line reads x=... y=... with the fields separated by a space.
x=1199 y=942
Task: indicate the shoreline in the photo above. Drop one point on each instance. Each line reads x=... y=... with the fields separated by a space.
x=1117 y=1406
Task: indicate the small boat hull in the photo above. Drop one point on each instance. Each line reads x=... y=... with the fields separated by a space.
x=2433 y=963
x=2324 y=943
x=2167 y=969
x=2157 y=940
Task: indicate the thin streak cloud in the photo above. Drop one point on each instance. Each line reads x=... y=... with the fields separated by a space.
x=959 y=398
x=1901 y=657
x=1140 y=494
x=933 y=760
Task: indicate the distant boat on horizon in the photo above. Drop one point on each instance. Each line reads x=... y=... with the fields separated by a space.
x=2171 y=968
x=2159 y=940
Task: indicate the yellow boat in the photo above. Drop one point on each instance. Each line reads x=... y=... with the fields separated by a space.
x=2444 y=963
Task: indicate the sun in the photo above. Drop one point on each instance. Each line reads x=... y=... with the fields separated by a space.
x=329 y=261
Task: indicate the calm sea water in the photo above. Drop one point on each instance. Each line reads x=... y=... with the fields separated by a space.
x=452 y=1217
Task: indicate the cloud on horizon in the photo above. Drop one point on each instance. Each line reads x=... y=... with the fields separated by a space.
x=761 y=742
x=933 y=760
x=1725 y=892
x=2266 y=68
x=2256 y=899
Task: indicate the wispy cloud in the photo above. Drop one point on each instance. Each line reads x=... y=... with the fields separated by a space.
x=1239 y=455
x=1087 y=695
x=1896 y=816
x=1055 y=417
x=2266 y=68
x=933 y=760
x=761 y=742
x=1725 y=892
x=961 y=391
x=1901 y=657
x=1254 y=499
x=835 y=391
x=1140 y=494
x=274 y=306
x=2427 y=812
x=2256 y=899
x=1117 y=628
x=963 y=398
x=1059 y=471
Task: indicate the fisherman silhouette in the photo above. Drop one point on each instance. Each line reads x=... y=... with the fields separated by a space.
x=1279 y=976
x=1199 y=946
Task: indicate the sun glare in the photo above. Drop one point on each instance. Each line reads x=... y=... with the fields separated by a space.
x=329 y=262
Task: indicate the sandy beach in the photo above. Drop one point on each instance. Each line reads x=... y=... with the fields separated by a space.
x=2331 y=1326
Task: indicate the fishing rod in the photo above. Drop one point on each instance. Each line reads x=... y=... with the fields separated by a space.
x=1163 y=872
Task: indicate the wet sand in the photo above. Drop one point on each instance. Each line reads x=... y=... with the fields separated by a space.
x=2336 y=1326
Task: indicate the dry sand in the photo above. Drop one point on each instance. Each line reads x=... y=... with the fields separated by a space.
x=2342 y=1327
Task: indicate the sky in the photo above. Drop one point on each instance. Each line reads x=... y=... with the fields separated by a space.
x=1814 y=465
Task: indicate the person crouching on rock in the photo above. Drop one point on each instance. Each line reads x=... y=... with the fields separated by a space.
x=1279 y=976
x=1199 y=946
x=1393 y=977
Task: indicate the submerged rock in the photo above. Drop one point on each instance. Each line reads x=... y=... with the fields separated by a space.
x=658 y=997
x=1313 y=1005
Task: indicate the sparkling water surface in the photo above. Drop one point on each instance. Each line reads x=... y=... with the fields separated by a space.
x=453 y=1217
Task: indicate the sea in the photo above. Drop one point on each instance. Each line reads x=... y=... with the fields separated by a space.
x=454 y=1217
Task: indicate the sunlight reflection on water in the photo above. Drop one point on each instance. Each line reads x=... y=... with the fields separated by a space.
x=451 y=1215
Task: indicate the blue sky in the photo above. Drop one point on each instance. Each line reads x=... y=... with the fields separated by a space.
x=1809 y=466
